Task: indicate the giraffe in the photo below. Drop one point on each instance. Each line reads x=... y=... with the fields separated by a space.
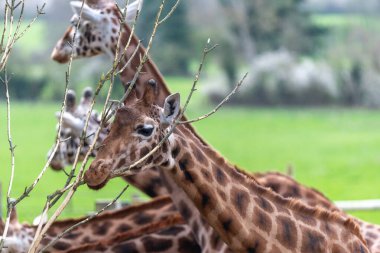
x=97 y=34
x=73 y=122
x=124 y=226
x=281 y=184
x=247 y=216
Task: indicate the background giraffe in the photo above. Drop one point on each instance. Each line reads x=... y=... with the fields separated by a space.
x=123 y=226
x=73 y=123
x=101 y=19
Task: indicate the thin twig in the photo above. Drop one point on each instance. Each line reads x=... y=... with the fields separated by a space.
x=13 y=37
x=10 y=204
x=170 y=12
x=39 y=12
x=5 y=24
x=237 y=86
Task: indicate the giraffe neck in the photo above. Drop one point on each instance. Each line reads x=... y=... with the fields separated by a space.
x=113 y=222
x=149 y=71
x=204 y=234
x=237 y=207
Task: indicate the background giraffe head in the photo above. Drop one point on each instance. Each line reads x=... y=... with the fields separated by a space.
x=138 y=127
x=96 y=32
x=73 y=122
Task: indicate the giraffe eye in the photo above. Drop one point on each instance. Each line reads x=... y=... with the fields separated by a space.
x=145 y=130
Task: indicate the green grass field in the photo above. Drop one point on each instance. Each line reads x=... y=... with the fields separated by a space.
x=333 y=150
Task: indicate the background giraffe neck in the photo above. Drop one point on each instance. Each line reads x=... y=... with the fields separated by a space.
x=288 y=187
x=150 y=70
x=167 y=235
x=110 y=223
x=231 y=200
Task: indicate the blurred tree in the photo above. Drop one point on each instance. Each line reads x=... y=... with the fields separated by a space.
x=274 y=24
x=252 y=27
x=172 y=46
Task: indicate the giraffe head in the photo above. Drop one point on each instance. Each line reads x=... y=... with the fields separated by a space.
x=73 y=122
x=138 y=127
x=96 y=32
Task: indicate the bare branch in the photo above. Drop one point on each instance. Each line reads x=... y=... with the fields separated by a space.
x=14 y=36
x=170 y=12
x=237 y=86
x=10 y=203
x=206 y=51
x=39 y=12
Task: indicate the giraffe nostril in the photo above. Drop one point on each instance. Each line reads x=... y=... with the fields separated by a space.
x=97 y=175
x=59 y=57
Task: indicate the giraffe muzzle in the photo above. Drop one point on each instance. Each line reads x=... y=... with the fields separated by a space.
x=97 y=176
x=59 y=57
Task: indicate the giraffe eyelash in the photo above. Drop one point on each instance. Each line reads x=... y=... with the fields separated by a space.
x=145 y=130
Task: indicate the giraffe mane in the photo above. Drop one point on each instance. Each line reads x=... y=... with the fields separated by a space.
x=175 y=219
x=295 y=204
x=278 y=174
x=98 y=4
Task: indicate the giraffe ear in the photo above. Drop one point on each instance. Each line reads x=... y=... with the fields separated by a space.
x=132 y=10
x=70 y=99
x=87 y=93
x=171 y=109
x=88 y=13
